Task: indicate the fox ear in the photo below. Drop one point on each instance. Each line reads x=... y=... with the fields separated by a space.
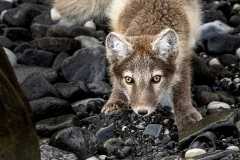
x=166 y=44
x=117 y=46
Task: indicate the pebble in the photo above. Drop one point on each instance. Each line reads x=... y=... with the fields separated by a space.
x=194 y=152
x=153 y=130
x=238 y=53
x=55 y=15
x=214 y=61
x=87 y=41
x=234 y=148
x=102 y=157
x=6 y=42
x=236 y=7
x=11 y=56
x=217 y=105
x=92 y=158
x=236 y=80
x=90 y=24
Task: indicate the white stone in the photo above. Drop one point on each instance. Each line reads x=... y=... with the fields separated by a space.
x=165 y=121
x=166 y=132
x=92 y=158
x=194 y=152
x=226 y=28
x=236 y=7
x=90 y=24
x=124 y=128
x=55 y=15
x=11 y=56
x=9 y=0
x=234 y=148
x=236 y=80
x=2 y=14
x=217 y=105
x=214 y=61
x=237 y=85
x=238 y=52
x=102 y=157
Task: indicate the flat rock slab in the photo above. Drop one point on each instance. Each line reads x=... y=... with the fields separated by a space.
x=223 y=119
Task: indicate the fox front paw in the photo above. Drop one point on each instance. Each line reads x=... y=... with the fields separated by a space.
x=187 y=119
x=112 y=106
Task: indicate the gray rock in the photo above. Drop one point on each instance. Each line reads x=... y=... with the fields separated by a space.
x=49 y=152
x=87 y=65
x=204 y=98
x=22 y=72
x=59 y=59
x=104 y=134
x=11 y=56
x=38 y=30
x=100 y=88
x=80 y=142
x=5 y=5
x=36 y=86
x=49 y=107
x=228 y=59
x=113 y=144
x=153 y=130
x=47 y=127
x=75 y=31
x=87 y=41
x=33 y=57
x=42 y=19
x=22 y=47
x=215 y=121
x=16 y=33
x=4 y=41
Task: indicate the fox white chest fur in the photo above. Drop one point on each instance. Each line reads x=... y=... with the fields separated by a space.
x=148 y=51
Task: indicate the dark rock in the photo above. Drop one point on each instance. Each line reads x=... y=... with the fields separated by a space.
x=20 y=17
x=153 y=130
x=235 y=20
x=222 y=44
x=15 y=33
x=55 y=153
x=75 y=31
x=219 y=123
x=70 y=92
x=112 y=145
x=16 y=117
x=36 y=86
x=106 y=133
x=22 y=47
x=206 y=141
x=225 y=7
x=38 y=30
x=213 y=15
x=4 y=41
x=49 y=107
x=54 y=31
x=47 y=127
x=22 y=72
x=87 y=65
x=42 y=8
x=59 y=59
x=203 y=98
x=101 y=35
x=33 y=57
x=228 y=59
x=57 y=45
x=5 y=5
x=81 y=142
x=228 y=154
x=204 y=74
x=100 y=88
x=44 y=19
x=201 y=88
x=95 y=120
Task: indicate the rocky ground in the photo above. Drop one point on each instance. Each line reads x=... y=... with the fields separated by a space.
x=61 y=68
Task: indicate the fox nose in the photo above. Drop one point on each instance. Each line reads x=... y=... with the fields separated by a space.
x=142 y=112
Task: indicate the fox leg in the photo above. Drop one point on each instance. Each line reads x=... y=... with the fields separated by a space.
x=117 y=101
x=185 y=113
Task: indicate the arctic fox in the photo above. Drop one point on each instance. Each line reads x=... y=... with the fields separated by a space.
x=148 y=51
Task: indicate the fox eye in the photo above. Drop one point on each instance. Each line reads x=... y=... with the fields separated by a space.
x=128 y=80
x=156 y=79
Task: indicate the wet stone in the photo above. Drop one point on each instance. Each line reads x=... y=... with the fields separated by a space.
x=37 y=86
x=112 y=145
x=49 y=107
x=216 y=121
x=57 y=45
x=206 y=141
x=87 y=65
x=47 y=127
x=70 y=92
x=33 y=57
x=22 y=72
x=106 y=133
x=76 y=140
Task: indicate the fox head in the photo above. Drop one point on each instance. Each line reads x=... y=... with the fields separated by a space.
x=143 y=67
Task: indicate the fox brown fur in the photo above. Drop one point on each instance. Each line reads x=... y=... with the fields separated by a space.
x=148 y=50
